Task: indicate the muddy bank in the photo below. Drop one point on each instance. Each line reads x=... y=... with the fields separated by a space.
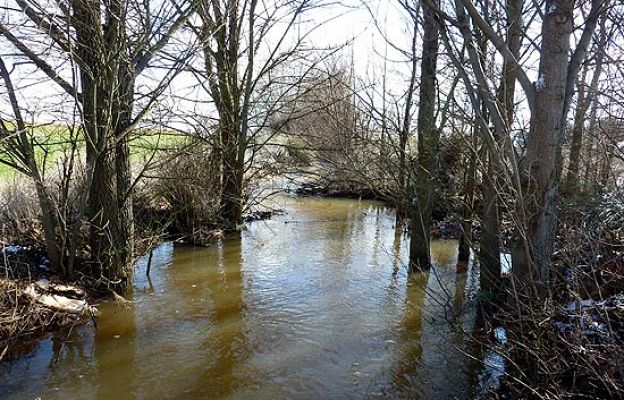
x=338 y=191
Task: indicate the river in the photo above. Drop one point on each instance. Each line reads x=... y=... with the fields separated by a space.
x=312 y=304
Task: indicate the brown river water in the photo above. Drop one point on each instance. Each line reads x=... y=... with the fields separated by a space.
x=313 y=304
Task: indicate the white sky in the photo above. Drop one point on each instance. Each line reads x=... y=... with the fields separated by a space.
x=348 y=22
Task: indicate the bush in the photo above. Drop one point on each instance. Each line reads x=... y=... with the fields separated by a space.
x=180 y=197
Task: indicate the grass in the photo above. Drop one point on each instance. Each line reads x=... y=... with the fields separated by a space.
x=52 y=141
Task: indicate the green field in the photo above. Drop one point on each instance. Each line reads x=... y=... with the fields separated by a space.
x=52 y=142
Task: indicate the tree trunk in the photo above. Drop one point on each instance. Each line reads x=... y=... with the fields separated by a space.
x=125 y=241
x=584 y=102
x=221 y=26
x=106 y=229
x=231 y=180
x=465 y=241
x=428 y=143
x=540 y=163
x=51 y=228
x=103 y=111
x=489 y=251
x=571 y=183
x=606 y=168
x=589 y=177
x=489 y=257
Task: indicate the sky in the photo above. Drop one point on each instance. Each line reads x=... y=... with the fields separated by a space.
x=348 y=25
x=361 y=30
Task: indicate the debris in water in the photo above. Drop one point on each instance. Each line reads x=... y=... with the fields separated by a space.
x=41 y=293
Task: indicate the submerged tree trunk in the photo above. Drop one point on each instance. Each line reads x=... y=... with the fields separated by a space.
x=424 y=186
x=466 y=239
x=231 y=204
x=220 y=36
x=106 y=229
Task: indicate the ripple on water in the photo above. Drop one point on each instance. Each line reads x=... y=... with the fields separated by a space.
x=312 y=304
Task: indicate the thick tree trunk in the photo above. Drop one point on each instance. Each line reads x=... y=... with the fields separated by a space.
x=106 y=229
x=231 y=180
x=221 y=25
x=540 y=164
x=428 y=143
x=104 y=113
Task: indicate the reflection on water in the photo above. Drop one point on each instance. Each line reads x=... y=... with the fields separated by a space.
x=312 y=304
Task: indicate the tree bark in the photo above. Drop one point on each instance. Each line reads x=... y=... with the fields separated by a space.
x=428 y=143
x=108 y=173
x=540 y=163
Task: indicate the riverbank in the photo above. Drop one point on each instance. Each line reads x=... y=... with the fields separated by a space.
x=30 y=308
x=345 y=191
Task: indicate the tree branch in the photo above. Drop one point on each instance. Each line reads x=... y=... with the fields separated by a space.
x=40 y=63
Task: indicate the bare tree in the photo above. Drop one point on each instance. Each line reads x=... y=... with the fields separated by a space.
x=96 y=39
x=428 y=143
x=239 y=81
x=22 y=157
x=547 y=100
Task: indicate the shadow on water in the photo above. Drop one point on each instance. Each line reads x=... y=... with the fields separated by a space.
x=312 y=304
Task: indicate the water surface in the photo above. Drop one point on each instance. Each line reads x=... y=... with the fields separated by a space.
x=312 y=304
